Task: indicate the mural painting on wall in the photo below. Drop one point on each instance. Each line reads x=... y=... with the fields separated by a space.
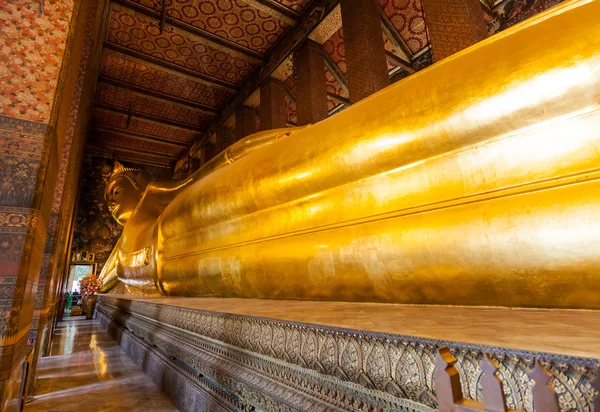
x=502 y=14
x=95 y=229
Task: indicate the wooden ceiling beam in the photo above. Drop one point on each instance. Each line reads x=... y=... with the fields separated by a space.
x=213 y=40
x=276 y=10
x=139 y=136
x=392 y=58
x=199 y=77
x=206 y=109
x=390 y=30
x=144 y=116
x=129 y=156
x=339 y=99
x=113 y=147
x=293 y=38
x=336 y=72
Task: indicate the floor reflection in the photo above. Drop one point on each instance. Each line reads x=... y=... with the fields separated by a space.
x=88 y=371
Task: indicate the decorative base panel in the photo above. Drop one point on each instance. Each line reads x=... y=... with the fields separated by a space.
x=212 y=361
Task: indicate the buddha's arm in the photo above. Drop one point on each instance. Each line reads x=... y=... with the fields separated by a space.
x=164 y=191
x=243 y=148
x=109 y=271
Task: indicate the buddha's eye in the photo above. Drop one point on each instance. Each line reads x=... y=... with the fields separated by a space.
x=116 y=191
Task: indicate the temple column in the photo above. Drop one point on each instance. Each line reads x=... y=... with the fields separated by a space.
x=311 y=86
x=273 y=110
x=207 y=153
x=245 y=122
x=453 y=25
x=224 y=138
x=365 y=53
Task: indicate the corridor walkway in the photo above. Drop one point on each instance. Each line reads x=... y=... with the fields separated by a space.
x=88 y=371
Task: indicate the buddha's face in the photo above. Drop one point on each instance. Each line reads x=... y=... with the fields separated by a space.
x=122 y=197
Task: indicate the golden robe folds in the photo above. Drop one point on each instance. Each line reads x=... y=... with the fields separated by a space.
x=472 y=182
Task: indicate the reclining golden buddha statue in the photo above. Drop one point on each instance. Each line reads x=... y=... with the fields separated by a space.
x=472 y=182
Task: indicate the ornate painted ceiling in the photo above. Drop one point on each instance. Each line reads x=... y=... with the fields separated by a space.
x=171 y=68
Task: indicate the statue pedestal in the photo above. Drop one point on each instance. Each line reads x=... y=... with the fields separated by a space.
x=233 y=354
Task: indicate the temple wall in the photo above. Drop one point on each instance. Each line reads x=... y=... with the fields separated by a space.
x=72 y=126
x=45 y=96
x=32 y=57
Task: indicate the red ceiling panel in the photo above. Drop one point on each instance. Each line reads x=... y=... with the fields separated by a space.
x=138 y=103
x=335 y=48
x=138 y=73
x=142 y=33
x=407 y=17
x=119 y=121
x=233 y=20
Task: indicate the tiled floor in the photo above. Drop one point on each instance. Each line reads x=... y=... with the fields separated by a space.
x=88 y=371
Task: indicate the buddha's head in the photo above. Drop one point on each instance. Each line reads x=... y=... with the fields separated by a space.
x=124 y=191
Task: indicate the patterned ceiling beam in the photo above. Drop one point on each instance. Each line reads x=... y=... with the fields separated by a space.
x=147 y=116
x=159 y=95
x=276 y=10
x=293 y=38
x=201 y=78
x=211 y=39
x=138 y=136
x=128 y=156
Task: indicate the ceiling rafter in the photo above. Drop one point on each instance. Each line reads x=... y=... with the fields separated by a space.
x=213 y=40
x=139 y=136
x=338 y=99
x=205 y=109
x=199 y=77
x=144 y=116
x=106 y=151
x=289 y=92
x=209 y=110
x=392 y=34
x=336 y=72
x=392 y=58
x=138 y=150
x=316 y=11
x=276 y=10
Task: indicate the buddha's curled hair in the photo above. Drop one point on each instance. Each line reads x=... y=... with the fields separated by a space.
x=138 y=177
